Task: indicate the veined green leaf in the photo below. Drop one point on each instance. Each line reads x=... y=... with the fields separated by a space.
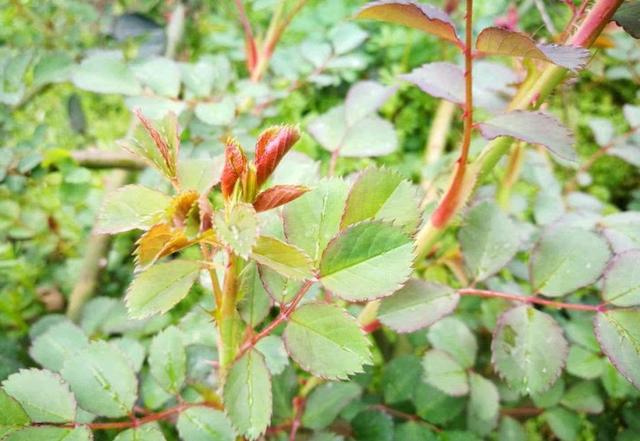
x=49 y=433
x=484 y=405
x=327 y=342
x=621 y=283
x=105 y=73
x=618 y=332
x=253 y=301
x=240 y=230
x=454 y=337
x=367 y=261
x=444 y=373
x=58 y=343
x=286 y=259
x=247 y=395
x=12 y=415
x=146 y=432
x=131 y=207
x=327 y=401
x=204 y=424
x=159 y=288
x=168 y=359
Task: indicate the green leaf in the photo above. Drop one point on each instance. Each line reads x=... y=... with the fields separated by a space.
x=102 y=379
x=313 y=219
x=484 y=405
x=625 y=226
x=105 y=73
x=48 y=433
x=146 y=432
x=502 y=41
x=621 y=281
x=366 y=261
x=414 y=431
x=372 y=425
x=200 y=174
x=584 y=397
x=435 y=406
x=528 y=349
x=131 y=207
x=53 y=68
x=58 y=343
x=382 y=194
x=584 y=363
x=618 y=332
x=413 y=14
x=240 y=230
x=326 y=402
x=399 y=378
x=566 y=259
x=628 y=16
x=254 y=302
x=453 y=336
x=247 y=395
x=417 y=305
x=284 y=258
x=12 y=415
x=280 y=288
x=275 y=354
x=168 y=359
x=365 y=98
x=511 y=430
x=532 y=127
x=43 y=395
x=443 y=372
x=564 y=424
x=327 y=342
x=161 y=74
x=550 y=397
x=159 y=288
x=132 y=349
x=345 y=37
x=204 y=424
x=489 y=239
x=219 y=113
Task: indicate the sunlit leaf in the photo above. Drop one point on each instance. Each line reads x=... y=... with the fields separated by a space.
x=131 y=207
x=168 y=359
x=278 y=195
x=105 y=73
x=146 y=432
x=502 y=41
x=238 y=229
x=440 y=79
x=443 y=372
x=204 y=424
x=367 y=261
x=484 y=405
x=327 y=342
x=534 y=128
x=58 y=343
x=528 y=349
x=413 y=14
x=282 y=257
x=364 y=98
x=417 y=305
x=454 y=337
x=12 y=415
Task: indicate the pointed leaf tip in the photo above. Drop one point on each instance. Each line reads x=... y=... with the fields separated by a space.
x=271 y=147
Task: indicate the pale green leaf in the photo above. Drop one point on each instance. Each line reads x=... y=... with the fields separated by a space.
x=254 y=303
x=53 y=68
x=314 y=218
x=247 y=395
x=621 y=282
x=584 y=363
x=43 y=395
x=566 y=259
x=417 y=305
x=219 y=113
x=414 y=431
x=102 y=379
x=327 y=342
x=365 y=98
x=444 y=373
x=204 y=424
x=484 y=405
x=131 y=207
x=58 y=343
x=382 y=194
x=275 y=354
x=564 y=423
x=132 y=349
x=327 y=401
x=511 y=430
x=200 y=174
x=453 y=336
x=146 y=432
x=159 y=288
x=280 y=288
x=49 y=433
x=584 y=397
x=618 y=332
x=489 y=239
x=105 y=73
x=529 y=349
x=168 y=359
x=284 y=258
x=367 y=261
x=238 y=230
x=161 y=74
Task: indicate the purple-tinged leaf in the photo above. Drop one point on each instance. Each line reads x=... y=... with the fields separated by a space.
x=501 y=41
x=621 y=282
x=528 y=349
x=412 y=14
x=618 y=332
x=440 y=79
x=532 y=127
x=364 y=98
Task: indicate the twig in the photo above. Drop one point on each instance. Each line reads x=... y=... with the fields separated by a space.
x=249 y=39
x=96 y=158
x=530 y=299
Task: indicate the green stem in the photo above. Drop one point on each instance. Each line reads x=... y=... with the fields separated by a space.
x=228 y=318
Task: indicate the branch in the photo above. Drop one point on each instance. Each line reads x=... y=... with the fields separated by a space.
x=530 y=299
x=97 y=158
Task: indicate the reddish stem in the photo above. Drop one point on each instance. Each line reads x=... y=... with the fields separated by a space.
x=249 y=40
x=298 y=405
x=529 y=299
x=282 y=317
x=451 y=201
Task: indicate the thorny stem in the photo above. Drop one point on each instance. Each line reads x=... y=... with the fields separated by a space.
x=284 y=315
x=591 y=27
x=530 y=299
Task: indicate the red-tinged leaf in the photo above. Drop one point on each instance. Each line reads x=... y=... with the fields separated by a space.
x=161 y=240
x=168 y=148
x=412 y=14
x=181 y=205
x=272 y=145
x=278 y=195
x=235 y=165
x=440 y=79
x=501 y=41
x=532 y=127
